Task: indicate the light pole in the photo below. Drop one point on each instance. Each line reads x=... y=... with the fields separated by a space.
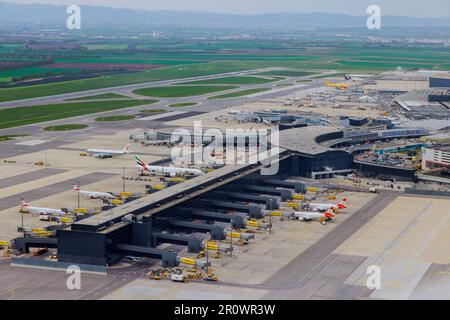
x=208 y=235
x=270 y=216
x=78 y=193
x=231 y=244
x=123 y=179
x=328 y=170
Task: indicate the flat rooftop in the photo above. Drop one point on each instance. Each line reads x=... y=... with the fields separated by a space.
x=172 y=195
x=303 y=140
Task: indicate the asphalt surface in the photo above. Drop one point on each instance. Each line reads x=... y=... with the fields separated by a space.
x=318 y=272
x=27 y=283
x=29 y=176
x=36 y=194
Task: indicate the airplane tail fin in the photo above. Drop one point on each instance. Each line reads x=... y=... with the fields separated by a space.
x=342 y=204
x=126 y=149
x=76 y=187
x=140 y=163
x=23 y=202
x=329 y=215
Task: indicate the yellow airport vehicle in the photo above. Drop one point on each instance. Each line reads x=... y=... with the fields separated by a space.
x=117 y=201
x=44 y=234
x=37 y=230
x=66 y=220
x=311 y=189
x=81 y=210
x=158 y=187
x=277 y=214
x=212 y=246
x=332 y=197
x=126 y=194
x=292 y=205
x=83 y=154
x=253 y=223
x=299 y=197
x=188 y=261
x=176 y=180
x=217 y=255
x=4 y=243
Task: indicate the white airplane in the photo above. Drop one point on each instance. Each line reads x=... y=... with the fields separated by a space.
x=42 y=211
x=167 y=171
x=329 y=206
x=99 y=153
x=94 y=194
x=311 y=215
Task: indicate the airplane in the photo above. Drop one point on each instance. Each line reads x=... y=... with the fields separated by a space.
x=93 y=194
x=41 y=211
x=308 y=216
x=340 y=86
x=167 y=171
x=99 y=153
x=328 y=206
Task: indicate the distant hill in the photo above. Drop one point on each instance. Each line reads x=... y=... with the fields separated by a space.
x=94 y=16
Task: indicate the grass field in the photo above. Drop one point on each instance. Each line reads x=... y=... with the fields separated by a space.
x=183 y=104
x=67 y=127
x=20 y=116
x=35 y=71
x=101 y=96
x=239 y=93
x=235 y=80
x=181 y=91
x=115 y=118
x=152 y=75
x=11 y=137
x=186 y=60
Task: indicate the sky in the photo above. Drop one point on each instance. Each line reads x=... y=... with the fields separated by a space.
x=413 y=8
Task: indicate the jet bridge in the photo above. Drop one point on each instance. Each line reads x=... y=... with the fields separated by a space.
x=285 y=194
x=217 y=232
x=256 y=199
x=193 y=244
x=297 y=186
x=253 y=211
x=236 y=220
x=168 y=257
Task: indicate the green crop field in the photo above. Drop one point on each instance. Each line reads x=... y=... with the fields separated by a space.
x=101 y=96
x=19 y=116
x=34 y=71
x=181 y=91
x=239 y=93
x=235 y=80
x=193 y=58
